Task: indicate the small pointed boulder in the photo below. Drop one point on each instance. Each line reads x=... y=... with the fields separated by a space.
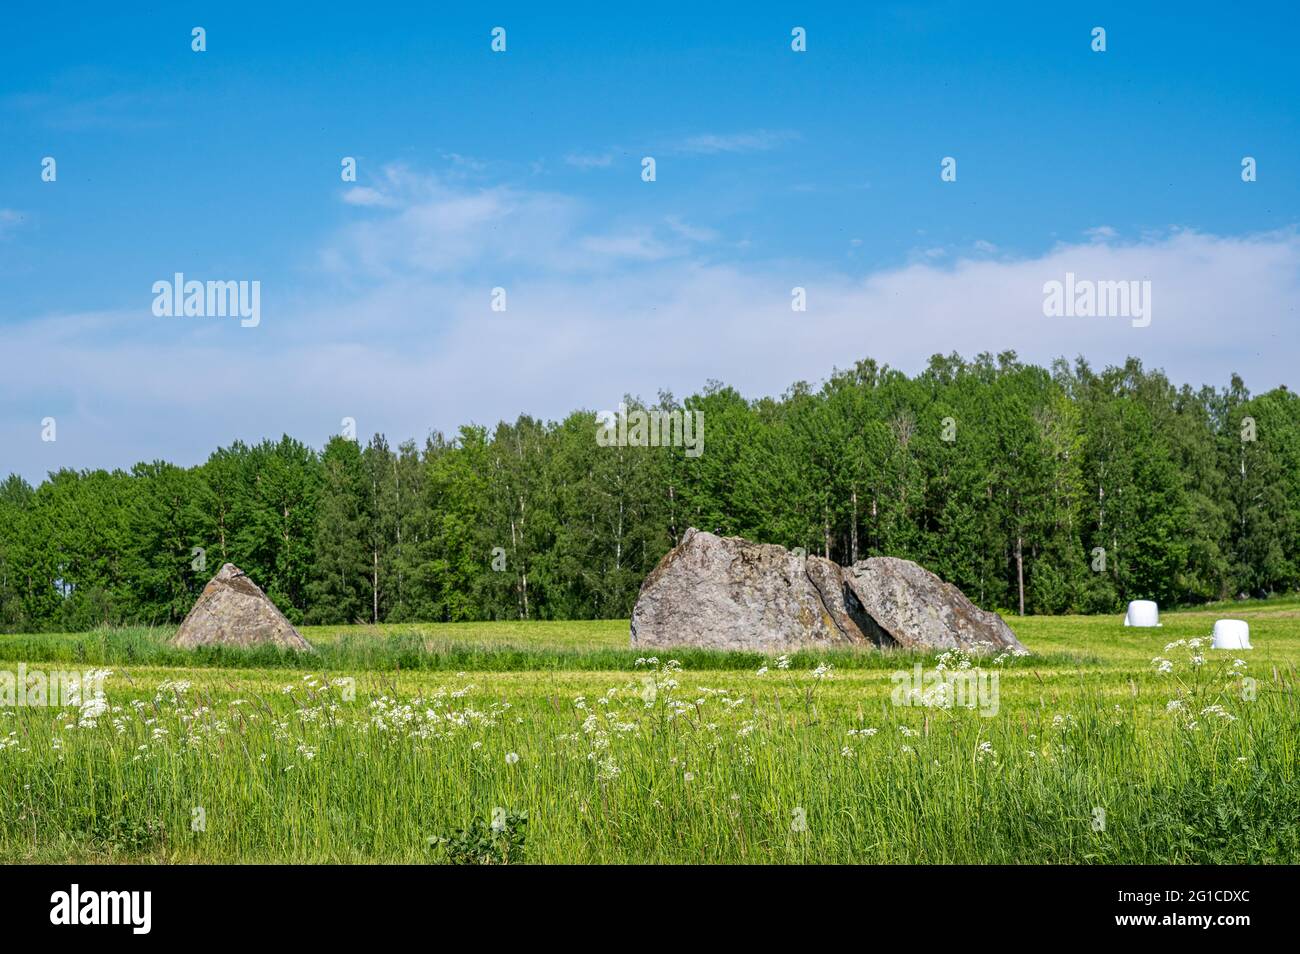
x=233 y=611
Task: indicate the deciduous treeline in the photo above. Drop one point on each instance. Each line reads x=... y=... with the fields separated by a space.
x=1037 y=490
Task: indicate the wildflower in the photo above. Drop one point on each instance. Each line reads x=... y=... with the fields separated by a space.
x=1219 y=712
x=512 y=758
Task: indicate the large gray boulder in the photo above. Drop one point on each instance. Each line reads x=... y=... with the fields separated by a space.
x=233 y=611
x=912 y=608
x=729 y=593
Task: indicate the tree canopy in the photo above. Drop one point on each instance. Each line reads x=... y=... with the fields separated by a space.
x=1038 y=490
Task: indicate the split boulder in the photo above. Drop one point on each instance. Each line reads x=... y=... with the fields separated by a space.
x=730 y=593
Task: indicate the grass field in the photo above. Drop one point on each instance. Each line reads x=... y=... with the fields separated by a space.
x=407 y=744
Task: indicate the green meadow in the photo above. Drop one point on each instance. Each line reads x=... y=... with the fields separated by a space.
x=554 y=742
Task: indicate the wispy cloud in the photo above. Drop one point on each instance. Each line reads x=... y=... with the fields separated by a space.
x=397 y=330
x=465 y=163
x=692 y=233
x=10 y=219
x=639 y=245
x=587 y=161
x=85 y=100
x=369 y=196
x=760 y=140
x=430 y=226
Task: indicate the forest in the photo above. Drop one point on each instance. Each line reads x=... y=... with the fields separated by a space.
x=1036 y=490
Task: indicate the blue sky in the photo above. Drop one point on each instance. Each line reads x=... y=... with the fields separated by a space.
x=522 y=170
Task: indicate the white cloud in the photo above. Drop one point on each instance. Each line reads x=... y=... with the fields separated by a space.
x=639 y=245
x=439 y=228
x=589 y=161
x=399 y=333
x=760 y=140
x=464 y=163
x=10 y=219
x=692 y=233
x=366 y=196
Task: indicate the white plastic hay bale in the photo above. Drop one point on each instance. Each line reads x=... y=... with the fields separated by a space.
x=1232 y=634
x=1142 y=613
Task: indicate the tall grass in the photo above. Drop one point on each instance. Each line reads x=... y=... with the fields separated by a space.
x=660 y=765
x=368 y=650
